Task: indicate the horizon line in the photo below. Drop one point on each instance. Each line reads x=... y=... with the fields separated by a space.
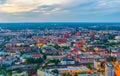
x=60 y=22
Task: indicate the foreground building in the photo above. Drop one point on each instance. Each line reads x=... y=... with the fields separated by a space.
x=109 y=69
x=41 y=72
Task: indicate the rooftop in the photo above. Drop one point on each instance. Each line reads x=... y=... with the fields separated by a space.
x=109 y=64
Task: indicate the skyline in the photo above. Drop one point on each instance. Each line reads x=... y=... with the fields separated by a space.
x=59 y=11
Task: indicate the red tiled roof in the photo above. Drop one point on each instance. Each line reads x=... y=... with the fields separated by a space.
x=115 y=52
x=36 y=55
x=86 y=58
x=62 y=40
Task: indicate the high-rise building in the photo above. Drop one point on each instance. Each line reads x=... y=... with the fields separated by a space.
x=109 y=69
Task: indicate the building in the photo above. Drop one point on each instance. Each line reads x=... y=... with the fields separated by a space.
x=117 y=68
x=85 y=60
x=98 y=62
x=41 y=72
x=109 y=69
x=66 y=61
x=118 y=57
x=90 y=75
x=73 y=70
x=19 y=74
x=52 y=57
x=117 y=37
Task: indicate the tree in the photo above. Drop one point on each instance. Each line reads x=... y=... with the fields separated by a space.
x=89 y=66
x=55 y=71
x=32 y=60
x=110 y=36
x=65 y=47
x=19 y=70
x=55 y=61
x=114 y=59
x=110 y=59
x=76 y=74
x=57 y=47
x=36 y=67
x=29 y=60
x=39 y=60
x=44 y=56
x=66 y=74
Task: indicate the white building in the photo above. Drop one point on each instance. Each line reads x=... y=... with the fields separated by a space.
x=66 y=61
x=41 y=72
x=117 y=37
x=109 y=69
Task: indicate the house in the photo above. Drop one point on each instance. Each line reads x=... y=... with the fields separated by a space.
x=8 y=61
x=62 y=40
x=41 y=72
x=52 y=57
x=85 y=60
x=14 y=73
x=66 y=61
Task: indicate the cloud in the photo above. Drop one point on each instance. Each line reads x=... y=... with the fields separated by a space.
x=55 y=9
x=108 y=3
x=17 y=6
x=51 y=6
x=13 y=6
x=95 y=7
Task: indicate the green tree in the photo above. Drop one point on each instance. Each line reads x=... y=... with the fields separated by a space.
x=32 y=60
x=110 y=59
x=44 y=56
x=66 y=74
x=55 y=71
x=57 y=47
x=89 y=66
x=29 y=60
x=39 y=60
x=76 y=74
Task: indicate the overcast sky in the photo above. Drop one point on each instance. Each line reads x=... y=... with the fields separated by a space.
x=59 y=10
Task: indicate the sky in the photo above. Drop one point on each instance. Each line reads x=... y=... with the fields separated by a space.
x=59 y=10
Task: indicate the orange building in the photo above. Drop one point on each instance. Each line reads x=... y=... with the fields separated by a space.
x=117 y=68
x=40 y=44
x=78 y=44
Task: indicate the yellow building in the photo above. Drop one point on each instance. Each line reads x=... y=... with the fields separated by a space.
x=20 y=74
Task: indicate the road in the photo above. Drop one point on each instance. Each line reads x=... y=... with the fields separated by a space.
x=20 y=66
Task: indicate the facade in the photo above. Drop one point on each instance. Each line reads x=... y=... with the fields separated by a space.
x=66 y=61
x=73 y=70
x=19 y=74
x=54 y=57
x=90 y=75
x=41 y=72
x=97 y=62
x=85 y=60
x=109 y=69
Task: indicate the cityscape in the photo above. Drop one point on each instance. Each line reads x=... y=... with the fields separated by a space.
x=66 y=49
x=59 y=37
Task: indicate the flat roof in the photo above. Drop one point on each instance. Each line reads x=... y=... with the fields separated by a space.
x=109 y=64
x=82 y=68
x=90 y=75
